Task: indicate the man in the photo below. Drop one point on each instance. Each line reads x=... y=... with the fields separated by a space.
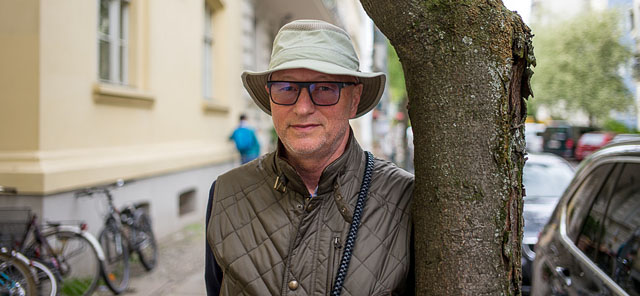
x=280 y=224
x=246 y=142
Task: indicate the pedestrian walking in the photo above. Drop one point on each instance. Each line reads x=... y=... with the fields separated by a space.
x=319 y=215
x=246 y=142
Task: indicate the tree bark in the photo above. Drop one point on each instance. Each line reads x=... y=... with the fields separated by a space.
x=466 y=65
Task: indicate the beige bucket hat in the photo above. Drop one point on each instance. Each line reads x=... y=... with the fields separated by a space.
x=318 y=46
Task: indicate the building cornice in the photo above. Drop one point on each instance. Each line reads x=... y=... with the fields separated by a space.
x=48 y=172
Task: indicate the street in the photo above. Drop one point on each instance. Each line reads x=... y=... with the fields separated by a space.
x=180 y=269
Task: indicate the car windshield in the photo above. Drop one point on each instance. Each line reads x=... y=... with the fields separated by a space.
x=544 y=180
x=592 y=139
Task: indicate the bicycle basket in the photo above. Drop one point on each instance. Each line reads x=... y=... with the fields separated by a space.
x=13 y=225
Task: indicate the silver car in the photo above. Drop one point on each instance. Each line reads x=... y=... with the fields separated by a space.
x=591 y=244
x=545 y=177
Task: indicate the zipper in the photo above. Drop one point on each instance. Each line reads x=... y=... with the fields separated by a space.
x=334 y=261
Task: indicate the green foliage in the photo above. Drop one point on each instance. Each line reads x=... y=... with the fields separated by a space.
x=75 y=286
x=578 y=66
x=397 y=87
x=617 y=127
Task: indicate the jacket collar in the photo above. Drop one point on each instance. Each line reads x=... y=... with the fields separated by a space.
x=352 y=159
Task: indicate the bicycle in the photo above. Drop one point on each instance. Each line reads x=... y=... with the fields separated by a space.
x=16 y=278
x=72 y=252
x=66 y=259
x=12 y=225
x=46 y=282
x=124 y=231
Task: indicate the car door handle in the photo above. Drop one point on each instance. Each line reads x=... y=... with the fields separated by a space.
x=564 y=275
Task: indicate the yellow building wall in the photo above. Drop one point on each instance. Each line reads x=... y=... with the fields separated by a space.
x=19 y=75
x=78 y=132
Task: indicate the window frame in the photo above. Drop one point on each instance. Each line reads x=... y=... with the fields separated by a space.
x=117 y=40
x=211 y=103
x=208 y=64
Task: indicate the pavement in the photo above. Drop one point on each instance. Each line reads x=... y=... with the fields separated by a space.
x=180 y=269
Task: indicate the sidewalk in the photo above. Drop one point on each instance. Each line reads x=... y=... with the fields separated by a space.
x=180 y=269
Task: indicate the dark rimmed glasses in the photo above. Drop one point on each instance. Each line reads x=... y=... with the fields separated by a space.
x=322 y=93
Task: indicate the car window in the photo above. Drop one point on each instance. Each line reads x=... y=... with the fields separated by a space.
x=621 y=232
x=592 y=139
x=582 y=199
x=590 y=239
x=560 y=136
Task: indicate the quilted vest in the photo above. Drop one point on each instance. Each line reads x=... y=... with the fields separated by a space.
x=269 y=236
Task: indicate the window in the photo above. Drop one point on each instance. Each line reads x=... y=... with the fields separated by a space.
x=187 y=202
x=580 y=203
x=207 y=53
x=210 y=28
x=593 y=226
x=113 y=35
x=620 y=239
x=610 y=235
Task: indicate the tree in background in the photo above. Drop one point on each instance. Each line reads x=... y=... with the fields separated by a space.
x=398 y=92
x=579 y=67
x=466 y=65
x=397 y=86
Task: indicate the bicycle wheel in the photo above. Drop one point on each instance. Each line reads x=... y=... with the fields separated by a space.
x=47 y=281
x=15 y=277
x=145 y=241
x=77 y=262
x=115 y=271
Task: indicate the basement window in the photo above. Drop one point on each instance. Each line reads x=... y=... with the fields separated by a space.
x=187 y=202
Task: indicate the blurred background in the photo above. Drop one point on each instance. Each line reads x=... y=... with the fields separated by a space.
x=147 y=91
x=150 y=91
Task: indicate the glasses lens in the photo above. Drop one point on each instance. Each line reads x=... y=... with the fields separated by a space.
x=325 y=93
x=284 y=93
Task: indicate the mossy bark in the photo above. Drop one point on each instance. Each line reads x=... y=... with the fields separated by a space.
x=466 y=66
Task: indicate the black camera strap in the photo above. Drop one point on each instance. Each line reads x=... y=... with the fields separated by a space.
x=353 y=229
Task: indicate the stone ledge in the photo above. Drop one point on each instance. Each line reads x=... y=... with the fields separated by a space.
x=48 y=172
x=214 y=107
x=122 y=96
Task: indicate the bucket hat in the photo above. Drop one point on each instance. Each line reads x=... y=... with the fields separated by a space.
x=317 y=46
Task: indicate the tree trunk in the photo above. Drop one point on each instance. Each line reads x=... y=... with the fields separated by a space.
x=466 y=65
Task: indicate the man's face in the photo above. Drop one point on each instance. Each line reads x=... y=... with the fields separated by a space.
x=307 y=129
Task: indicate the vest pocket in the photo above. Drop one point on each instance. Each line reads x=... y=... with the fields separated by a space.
x=334 y=260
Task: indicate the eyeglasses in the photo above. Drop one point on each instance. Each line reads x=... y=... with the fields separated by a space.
x=322 y=93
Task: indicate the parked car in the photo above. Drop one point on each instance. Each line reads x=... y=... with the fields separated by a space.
x=624 y=137
x=590 y=142
x=545 y=177
x=590 y=246
x=560 y=138
x=532 y=136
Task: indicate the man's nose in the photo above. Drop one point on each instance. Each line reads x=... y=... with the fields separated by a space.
x=304 y=103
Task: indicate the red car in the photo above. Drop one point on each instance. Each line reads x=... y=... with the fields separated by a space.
x=590 y=142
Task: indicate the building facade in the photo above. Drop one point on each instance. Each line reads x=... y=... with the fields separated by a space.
x=145 y=91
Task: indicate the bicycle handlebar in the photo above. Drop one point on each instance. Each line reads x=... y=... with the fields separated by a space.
x=106 y=189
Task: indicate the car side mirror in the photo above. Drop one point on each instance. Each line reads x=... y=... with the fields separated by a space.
x=540 y=134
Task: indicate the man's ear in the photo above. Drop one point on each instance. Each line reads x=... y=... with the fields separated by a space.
x=355 y=100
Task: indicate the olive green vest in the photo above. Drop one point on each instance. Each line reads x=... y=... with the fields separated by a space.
x=270 y=237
